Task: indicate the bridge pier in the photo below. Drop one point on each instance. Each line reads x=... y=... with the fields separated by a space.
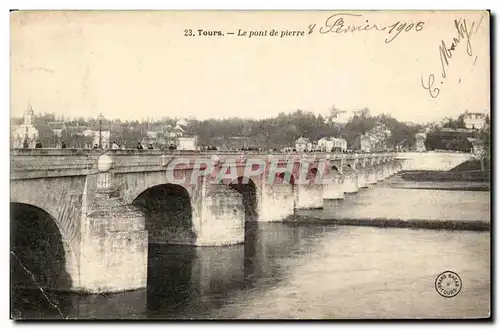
x=277 y=201
x=362 y=178
x=335 y=189
x=114 y=245
x=380 y=172
x=309 y=196
x=350 y=181
x=372 y=176
x=396 y=165
x=389 y=168
x=222 y=219
x=385 y=172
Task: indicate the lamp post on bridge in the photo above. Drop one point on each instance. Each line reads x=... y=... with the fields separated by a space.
x=101 y=117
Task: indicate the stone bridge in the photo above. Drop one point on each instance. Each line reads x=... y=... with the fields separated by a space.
x=97 y=212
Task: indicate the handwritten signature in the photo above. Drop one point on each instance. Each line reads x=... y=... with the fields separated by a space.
x=464 y=32
x=336 y=24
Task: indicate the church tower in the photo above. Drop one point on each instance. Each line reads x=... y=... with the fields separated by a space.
x=29 y=116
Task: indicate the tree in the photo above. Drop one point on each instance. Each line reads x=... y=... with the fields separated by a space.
x=455 y=123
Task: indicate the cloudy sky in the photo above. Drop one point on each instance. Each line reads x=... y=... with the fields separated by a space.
x=133 y=65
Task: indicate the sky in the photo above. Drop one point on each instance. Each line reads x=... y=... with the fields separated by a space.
x=134 y=65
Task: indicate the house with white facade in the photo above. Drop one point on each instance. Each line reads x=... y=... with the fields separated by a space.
x=474 y=120
x=330 y=144
x=187 y=143
x=303 y=144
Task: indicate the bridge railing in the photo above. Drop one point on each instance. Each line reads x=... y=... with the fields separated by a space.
x=79 y=151
x=47 y=162
x=53 y=162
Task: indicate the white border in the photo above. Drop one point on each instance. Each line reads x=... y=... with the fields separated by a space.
x=186 y=4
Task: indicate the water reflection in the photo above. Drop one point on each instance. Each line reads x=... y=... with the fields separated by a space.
x=35 y=304
x=189 y=282
x=184 y=281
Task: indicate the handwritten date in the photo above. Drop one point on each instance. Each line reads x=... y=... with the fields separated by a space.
x=336 y=23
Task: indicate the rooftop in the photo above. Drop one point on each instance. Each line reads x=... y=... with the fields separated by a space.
x=57 y=125
x=302 y=140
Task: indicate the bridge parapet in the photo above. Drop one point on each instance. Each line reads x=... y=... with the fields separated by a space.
x=52 y=164
x=30 y=163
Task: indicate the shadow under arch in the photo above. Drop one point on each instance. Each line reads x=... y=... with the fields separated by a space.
x=169 y=221
x=349 y=168
x=37 y=246
x=38 y=260
x=169 y=214
x=282 y=178
x=311 y=175
x=248 y=190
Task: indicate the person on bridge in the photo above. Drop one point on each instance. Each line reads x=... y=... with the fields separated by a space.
x=25 y=144
x=150 y=146
x=63 y=145
x=115 y=146
x=96 y=146
x=38 y=145
x=139 y=146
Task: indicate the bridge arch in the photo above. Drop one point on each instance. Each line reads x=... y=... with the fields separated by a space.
x=349 y=168
x=168 y=209
x=248 y=189
x=41 y=255
x=311 y=175
x=282 y=178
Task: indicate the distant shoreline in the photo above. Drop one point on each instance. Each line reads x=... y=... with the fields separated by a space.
x=465 y=225
x=447 y=176
x=469 y=171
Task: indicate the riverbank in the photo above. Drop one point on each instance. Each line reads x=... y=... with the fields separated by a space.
x=469 y=171
x=451 y=225
x=399 y=182
x=405 y=204
x=447 y=176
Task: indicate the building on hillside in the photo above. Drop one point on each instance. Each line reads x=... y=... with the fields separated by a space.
x=182 y=122
x=57 y=128
x=474 y=120
x=376 y=139
x=331 y=144
x=303 y=144
x=178 y=131
x=420 y=142
x=187 y=143
x=75 y=137
x=105 y=138
x=25 y=131
x=155 y=137
x=161 y=136
x=173 y=132
x=325 y=143
x=91 y=138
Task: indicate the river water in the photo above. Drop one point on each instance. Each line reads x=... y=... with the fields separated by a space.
x=300 y=271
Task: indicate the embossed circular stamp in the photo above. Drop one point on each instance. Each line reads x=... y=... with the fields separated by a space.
x=448 y=284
